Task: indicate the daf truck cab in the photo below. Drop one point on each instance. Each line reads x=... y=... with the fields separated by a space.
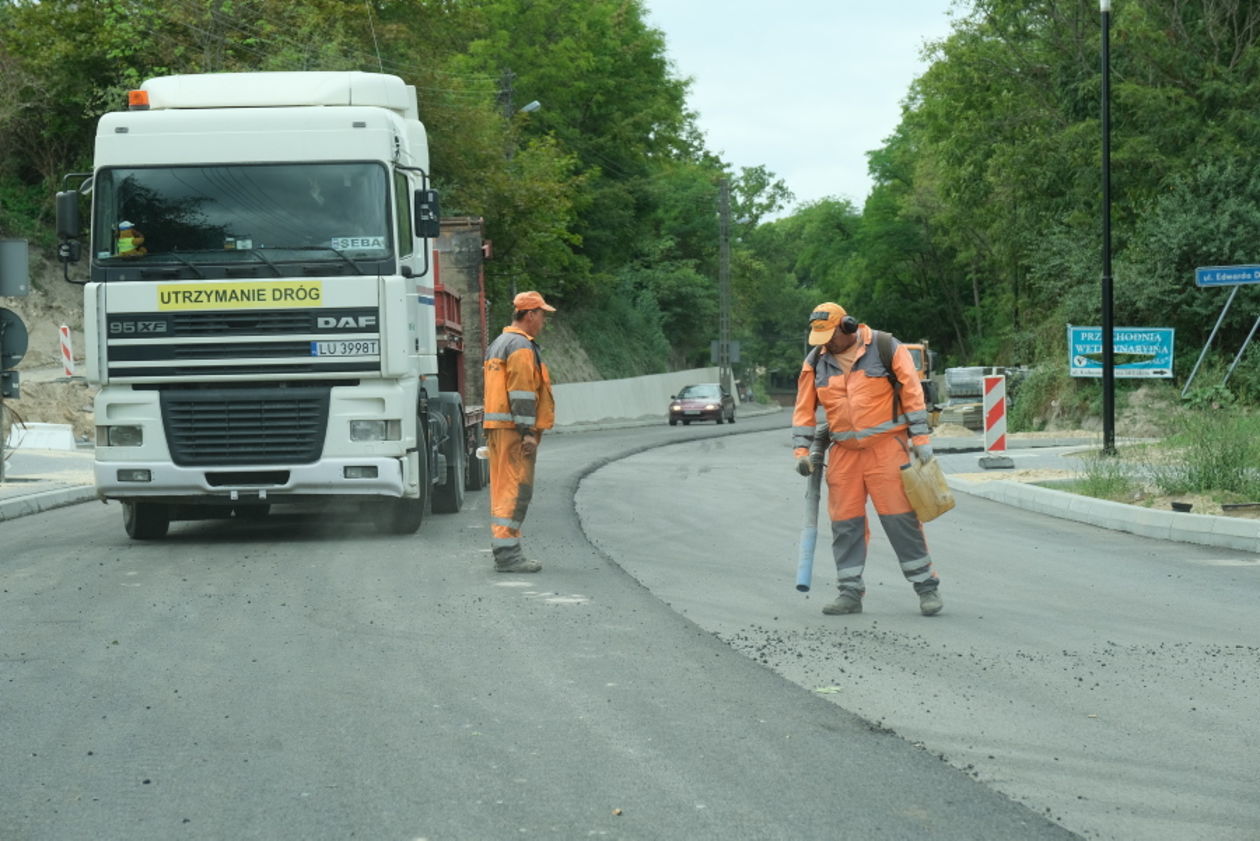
x=260 y=303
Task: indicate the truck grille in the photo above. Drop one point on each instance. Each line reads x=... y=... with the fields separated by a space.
x=241 y=323
x=185 y=346
x=245 y=426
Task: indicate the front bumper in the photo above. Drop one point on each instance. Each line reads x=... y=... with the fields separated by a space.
x=259 y=483
x=695 y=414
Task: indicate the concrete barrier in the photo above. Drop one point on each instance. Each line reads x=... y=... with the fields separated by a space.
x=633 y=397
x=41 y=436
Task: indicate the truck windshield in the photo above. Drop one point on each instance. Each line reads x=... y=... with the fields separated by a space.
x=260 y=213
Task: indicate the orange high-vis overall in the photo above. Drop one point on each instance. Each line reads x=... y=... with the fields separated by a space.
x=868 y=447
x=517 y=401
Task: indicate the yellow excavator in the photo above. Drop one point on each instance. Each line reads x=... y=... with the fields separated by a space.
x=927 y=363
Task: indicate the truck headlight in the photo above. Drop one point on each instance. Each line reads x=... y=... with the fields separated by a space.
x=376 y=430
x=120 y=436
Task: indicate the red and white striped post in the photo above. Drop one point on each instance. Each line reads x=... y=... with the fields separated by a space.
x=67 y=354
x=995 y=414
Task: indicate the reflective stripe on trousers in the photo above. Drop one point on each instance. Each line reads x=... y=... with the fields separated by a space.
x=511 y=487
x=874 y=470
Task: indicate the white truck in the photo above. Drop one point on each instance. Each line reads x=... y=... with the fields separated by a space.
x=261 y=312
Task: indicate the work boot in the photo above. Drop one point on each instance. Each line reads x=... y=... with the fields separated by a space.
x=930 y=603
x=846 y=603
x=520 y=566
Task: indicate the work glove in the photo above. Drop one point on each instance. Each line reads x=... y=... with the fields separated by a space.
x=923 y=451
x=803 y=465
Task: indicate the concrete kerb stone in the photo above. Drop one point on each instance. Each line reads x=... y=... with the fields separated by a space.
x=20 y=506
x=1203 y=529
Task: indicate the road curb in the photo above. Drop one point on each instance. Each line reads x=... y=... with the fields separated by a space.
x=11 y=509
x=1203 y=529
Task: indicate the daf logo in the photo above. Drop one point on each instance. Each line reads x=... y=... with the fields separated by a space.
x=330 y=322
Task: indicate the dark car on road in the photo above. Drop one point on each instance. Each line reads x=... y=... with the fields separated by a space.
x=703 y=402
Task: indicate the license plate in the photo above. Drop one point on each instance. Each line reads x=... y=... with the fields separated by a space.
x=361 y=347
x=692 y=412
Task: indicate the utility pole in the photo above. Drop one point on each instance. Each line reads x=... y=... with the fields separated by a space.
x=724 y=283
x=506 y=92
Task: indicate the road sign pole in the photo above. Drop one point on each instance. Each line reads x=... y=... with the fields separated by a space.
x=1241 y=350
x=1108 y=340
x=1203 y=353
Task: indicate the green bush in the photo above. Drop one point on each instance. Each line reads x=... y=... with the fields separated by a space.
x=1209 y=398
x=22 y=209
x=1048 y=392
x=1220 y=453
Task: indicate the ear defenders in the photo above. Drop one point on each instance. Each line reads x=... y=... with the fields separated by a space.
x=848 y=324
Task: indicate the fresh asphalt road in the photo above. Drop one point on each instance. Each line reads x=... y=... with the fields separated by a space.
x=304 y=678
x=1106 y=680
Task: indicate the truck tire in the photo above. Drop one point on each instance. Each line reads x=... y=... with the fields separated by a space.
x=478 y=472
x=146 y=520
x=448 y=497
x=404 y=515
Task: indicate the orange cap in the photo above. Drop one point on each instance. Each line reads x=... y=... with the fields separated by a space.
x=531 y=301
x=823 y=322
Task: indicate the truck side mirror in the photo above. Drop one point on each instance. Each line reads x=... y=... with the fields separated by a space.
x=68 y=226
x=428 y=213
x=69 y=251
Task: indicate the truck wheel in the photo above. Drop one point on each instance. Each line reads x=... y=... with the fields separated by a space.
x=400 y=516
x=478 y=471
x=146 y=520
x=404 y=515
x=448 y=497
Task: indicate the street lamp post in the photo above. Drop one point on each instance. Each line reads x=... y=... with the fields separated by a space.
x=1108 y=327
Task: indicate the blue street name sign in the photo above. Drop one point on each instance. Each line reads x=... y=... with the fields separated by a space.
x=1226 y=275
x=1138 y=351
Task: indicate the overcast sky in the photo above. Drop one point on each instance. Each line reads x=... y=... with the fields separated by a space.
x=804 y=88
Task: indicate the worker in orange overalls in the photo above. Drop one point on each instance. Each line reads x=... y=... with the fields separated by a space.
x=518 y=407
x=870 y=440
